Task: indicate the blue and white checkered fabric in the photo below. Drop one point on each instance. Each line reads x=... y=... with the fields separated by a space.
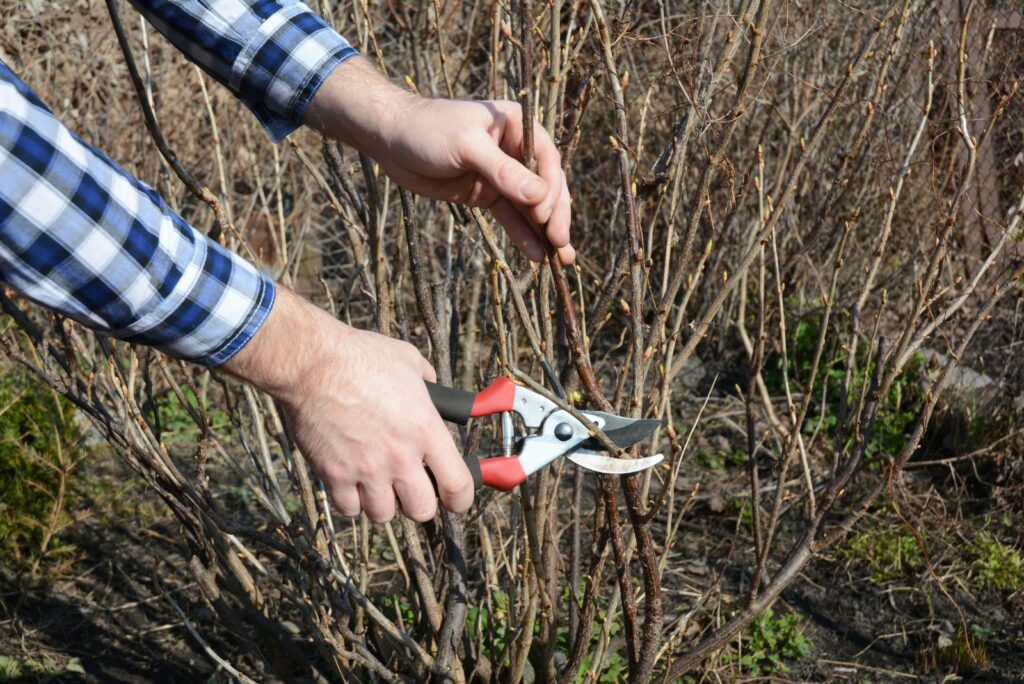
x=272 y=54
x=78 y=234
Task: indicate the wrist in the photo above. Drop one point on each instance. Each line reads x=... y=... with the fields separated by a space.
x=287 y=354
x=360 y=107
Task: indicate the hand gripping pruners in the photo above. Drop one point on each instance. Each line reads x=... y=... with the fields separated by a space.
x=556 y=433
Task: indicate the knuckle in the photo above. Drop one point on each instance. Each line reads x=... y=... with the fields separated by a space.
x=405 y=348
x=457 y=483
x=332 y=474
x=422 y=512
x=507 y=170
x=510 y=107
x=469 y=195
x=369 y=470
x=412 y=460
x=442 y=441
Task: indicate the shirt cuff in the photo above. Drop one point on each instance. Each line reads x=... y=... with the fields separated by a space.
x=282 y=66
x=221 y=302
x=261 y=307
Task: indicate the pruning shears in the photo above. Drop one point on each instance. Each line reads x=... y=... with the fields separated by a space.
x=556 y=433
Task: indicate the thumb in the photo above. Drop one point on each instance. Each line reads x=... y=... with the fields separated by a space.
x=507 y=175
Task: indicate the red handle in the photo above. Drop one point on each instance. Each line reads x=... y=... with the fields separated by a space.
x=502 y=472
x=499 y=396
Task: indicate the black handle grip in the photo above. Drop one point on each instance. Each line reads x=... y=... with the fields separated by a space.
x=474 y=469
x=453 y=404
x=456 y=406
x=473 y=463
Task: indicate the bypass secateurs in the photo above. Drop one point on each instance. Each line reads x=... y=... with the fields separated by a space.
x=556 y=433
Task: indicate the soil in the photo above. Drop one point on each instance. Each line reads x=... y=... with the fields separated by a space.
x=105 y=620
x=98 y=621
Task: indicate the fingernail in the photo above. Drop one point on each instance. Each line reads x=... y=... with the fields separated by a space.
x=533 y=188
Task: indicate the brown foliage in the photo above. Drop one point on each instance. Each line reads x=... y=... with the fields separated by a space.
x=737 y=169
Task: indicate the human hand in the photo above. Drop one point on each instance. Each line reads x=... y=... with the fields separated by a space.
x=469 y=152
x=359 y=412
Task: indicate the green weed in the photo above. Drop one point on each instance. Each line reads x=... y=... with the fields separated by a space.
x=12 y=668
x=616 y=669
x=717 y=460
x=801 y=346
x=997 y=565
x=899 y=409
x=490 y=627
x=401 y=608
x=744 y=509
x=238 y=497
x=175 y=423
x=39 y=448
x=888 y=553
x=767 y=643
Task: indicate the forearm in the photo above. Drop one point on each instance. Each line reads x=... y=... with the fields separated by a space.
x=284 y=356
x=79 y=235
x=360 y=107
x=272 y=54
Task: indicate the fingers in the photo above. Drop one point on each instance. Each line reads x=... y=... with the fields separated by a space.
x=508 y=176
x=519 y=231
x=566 y=255
x=378 y=501
x=416 y=496
x=519 y=199
x=454 y=482
x=549 y=166
x=414 y=491
x=554 y=208
x=414 y=358
x=524 y=236
x=346 y=500
x=429 y=374
x=558 y=226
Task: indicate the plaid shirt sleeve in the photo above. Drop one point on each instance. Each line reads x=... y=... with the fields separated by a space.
x=78 y=234
x=272 y=54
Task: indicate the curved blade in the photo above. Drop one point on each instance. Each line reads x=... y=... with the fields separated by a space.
x=613 y=466
x=624 y=432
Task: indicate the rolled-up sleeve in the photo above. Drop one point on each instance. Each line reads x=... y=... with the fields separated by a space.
x=80 y=235
x=272 y=54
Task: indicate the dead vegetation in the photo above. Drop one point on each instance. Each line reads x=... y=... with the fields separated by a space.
x=783 y=256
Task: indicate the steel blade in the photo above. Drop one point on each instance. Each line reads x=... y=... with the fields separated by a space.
x=623 y=432
x=613 y=466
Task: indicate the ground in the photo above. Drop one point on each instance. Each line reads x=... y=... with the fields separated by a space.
x=104 y=621
x=937 y=558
